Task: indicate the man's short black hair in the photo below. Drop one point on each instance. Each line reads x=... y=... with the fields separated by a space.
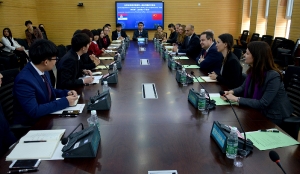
x=87 y=32
x=171 y=26
x=107 y=25
x=41 y=50
x=28 y=22
x=95 y=32
x=141 y=23
x=209 y=35
x=118 y=25
x=80 y=40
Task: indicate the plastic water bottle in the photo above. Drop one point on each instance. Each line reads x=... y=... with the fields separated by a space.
x=232 y=143
x=202 y=101
x=115 y=69
x=94 y=120
x=183 y=77
x=105 y=86
x=173 y=63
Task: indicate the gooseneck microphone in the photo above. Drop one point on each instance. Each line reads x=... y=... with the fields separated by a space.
x=210 y=104
x=275 y=158
x=65 y=140
x=222 y=93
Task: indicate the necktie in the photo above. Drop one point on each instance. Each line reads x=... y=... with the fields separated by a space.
x=47 y=85
x=204 y=54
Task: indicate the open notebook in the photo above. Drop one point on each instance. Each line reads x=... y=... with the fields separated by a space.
x=37 y=150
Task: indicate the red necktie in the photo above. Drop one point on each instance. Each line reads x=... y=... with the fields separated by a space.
x=204 y=54
x=48 y=86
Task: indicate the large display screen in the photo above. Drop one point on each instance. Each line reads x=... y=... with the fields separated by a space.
x=130 y=13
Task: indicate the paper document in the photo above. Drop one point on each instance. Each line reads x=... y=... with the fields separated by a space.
x=96 y=79
x=96 y=73
x=190 y=66
x=79 y=107
x=116 y=41
x=179 y=54
x=37 y=150
x=106 y=58
x=180 y=57
x=270 y=140
x=163 y=172
x=100 y=67
x=109 y=51
x=199 y=79
x=219 y=101
x=207 y=79
x=169 y=47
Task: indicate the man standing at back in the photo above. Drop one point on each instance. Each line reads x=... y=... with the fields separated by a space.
x=70 y=68
x=34 y=95
x=191 y=45
x=209 y=59
x=140 y=33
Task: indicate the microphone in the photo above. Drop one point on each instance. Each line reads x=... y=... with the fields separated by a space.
x=275 y=158
x=65 y=140
x=222 y=93
x=211 y=105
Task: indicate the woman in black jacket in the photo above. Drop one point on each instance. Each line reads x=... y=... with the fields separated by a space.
x=231 y=71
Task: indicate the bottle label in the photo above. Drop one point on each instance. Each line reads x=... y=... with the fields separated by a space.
x=201 y=104
x=173 y=64
x=232 y=150
x=183 y=79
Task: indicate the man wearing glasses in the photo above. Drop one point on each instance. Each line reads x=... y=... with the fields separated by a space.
x=33 y=93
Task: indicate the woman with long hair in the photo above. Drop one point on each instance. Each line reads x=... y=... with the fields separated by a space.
x=231 y=70
x=13 y=46
x=263 y=88
x=181 y=35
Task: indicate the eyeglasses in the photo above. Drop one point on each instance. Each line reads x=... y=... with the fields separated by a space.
x=55 y=59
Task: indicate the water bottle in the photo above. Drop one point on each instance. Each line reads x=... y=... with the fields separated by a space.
x=202 y=101
x=173 y=63
x=115 y=69
x=105 y=86
x=232 y=143
x=94 y=120
x=183 y=77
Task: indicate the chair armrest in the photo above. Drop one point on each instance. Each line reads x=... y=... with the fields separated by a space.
x=292 y=120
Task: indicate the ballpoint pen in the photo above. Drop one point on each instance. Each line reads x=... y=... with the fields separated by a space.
x=23 y=171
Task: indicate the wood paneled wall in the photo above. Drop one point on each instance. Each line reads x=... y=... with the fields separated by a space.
x=272 y=17
x=245 y=15
x=62 y=17
x=295 y=25
x=14 y=13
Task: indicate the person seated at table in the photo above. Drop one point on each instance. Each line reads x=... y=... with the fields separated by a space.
x=140 y=32
x=13 y=46
x=34 y=95
x=105 y=41
x=173 y=36
x=109 y=27
x=231 y=70
x=177 y=27
x=159 y=34
x=96 y=35
x=118 y=33
x=7 y=138
x=209 y=59
x=32 y=33
x=93 y=48
x=101 y=36
x=191 y=45
x=69 y=68
x=181 y=36
x=7 y=60
x=263 y=88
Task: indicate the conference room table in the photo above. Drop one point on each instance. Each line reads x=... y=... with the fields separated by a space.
x=140 y=135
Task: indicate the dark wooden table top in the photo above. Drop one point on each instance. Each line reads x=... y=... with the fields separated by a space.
x=138 y=135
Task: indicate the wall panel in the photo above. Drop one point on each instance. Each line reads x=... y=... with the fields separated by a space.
x=295 y=24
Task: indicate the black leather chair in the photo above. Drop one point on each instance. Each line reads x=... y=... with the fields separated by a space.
x=292 y=58
x=62 y=50
x=267 y=38
x=292 y=87
x=7 y=101
x=282 y=53
x=22 y=42
x=242 y=40
x=243 y=47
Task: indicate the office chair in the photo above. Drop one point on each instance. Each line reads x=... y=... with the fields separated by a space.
x=22 y=42
x=292 y=86
x=267 y=38
x=7 y=101
x=62 y=50
x=291 y=58
x=282 y=53
x=243 y=39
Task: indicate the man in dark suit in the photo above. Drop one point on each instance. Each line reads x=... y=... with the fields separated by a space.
x=119 y=33
x=34 y=95
x=173 y=36
x=70 y=68
x=209 y=59
x=140 y=33
x=7 y=138
x=191 y=45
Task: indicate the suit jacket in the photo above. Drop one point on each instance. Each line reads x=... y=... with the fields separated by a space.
x=192 y=48
x=114 y=34
x=212 y=60
x=7 y=138
x=31 y=100
x=232 y=72
x=86 y=62
x=136 y=34
x=69 y=69
x=102 y=44
x=274 y=102
x=172 y=38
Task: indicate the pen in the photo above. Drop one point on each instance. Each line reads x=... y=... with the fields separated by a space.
x=37 y=141
x=68 y=115
x=266 y=130
x=23 y=171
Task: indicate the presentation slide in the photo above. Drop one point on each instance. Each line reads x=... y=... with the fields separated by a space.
x=129 y=14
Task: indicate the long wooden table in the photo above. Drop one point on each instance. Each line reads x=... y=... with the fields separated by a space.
x=138 y=135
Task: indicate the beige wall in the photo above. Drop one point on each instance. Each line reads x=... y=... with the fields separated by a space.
x=295 y=25
x=62 y=17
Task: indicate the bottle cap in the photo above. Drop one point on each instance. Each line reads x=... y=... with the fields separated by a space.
x=183 y=69
x=202 y=90
x=234 y=128
x=105 y=82
x=93 y=112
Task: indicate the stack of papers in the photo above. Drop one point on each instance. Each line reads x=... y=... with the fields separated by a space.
x=37 y=150
x=219 y=101
x=190 y=66
x=79 y=107
x=100 y=67
x=207 y=79
x=96 y=79
x=106 y=58
x=180 y=57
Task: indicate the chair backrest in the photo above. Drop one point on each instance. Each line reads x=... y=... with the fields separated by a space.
x=267 y=38
x=6 y=93
x=244 y=35
x=292 y=87
x=254 y=37
x=276 y=43
x=62 y=50
x=296 y=48
x=22 y=42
